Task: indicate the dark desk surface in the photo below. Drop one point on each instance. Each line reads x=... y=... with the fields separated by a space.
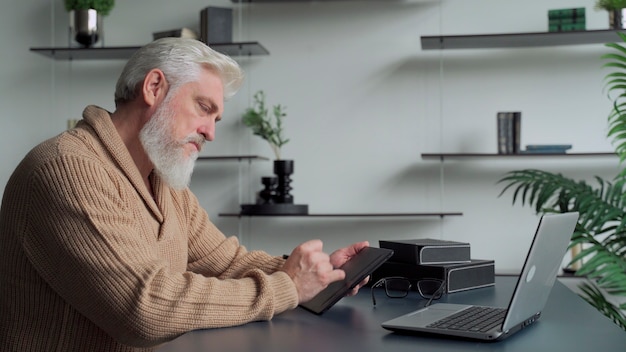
x=568 y=323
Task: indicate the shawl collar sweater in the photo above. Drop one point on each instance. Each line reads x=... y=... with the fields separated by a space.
x=92 y=262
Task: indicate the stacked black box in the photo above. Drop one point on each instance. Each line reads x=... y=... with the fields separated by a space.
x=428 y=251
x=430 y=258
x=216 y=25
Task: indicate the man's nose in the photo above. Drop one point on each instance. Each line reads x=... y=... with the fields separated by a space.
x=207 y=130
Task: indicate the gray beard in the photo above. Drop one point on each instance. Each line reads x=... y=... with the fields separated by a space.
x=166 y=153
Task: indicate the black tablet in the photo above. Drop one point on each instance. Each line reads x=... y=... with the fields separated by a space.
x=357 y=269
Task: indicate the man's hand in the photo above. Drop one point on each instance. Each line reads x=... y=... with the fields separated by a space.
x=311 y=269
x=341 y=256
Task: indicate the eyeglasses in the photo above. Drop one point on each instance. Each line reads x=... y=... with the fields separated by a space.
x=399 y=287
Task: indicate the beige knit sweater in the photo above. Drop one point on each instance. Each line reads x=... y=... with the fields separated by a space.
x=91 y=262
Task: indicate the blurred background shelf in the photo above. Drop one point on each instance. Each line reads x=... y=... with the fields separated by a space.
x=124 y=52
x=517 y=40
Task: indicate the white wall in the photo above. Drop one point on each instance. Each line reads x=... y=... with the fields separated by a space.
x=363 y=102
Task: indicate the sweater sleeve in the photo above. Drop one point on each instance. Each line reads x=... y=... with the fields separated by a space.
x=212 y=254
x=86 y=240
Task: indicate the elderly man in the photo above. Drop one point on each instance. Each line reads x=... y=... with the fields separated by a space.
x=104 y=247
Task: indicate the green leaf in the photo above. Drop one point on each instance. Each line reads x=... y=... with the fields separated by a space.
x=265 y=126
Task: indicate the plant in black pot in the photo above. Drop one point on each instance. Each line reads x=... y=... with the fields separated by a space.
x=270 y=128
x=86 y=19
x=616 y=11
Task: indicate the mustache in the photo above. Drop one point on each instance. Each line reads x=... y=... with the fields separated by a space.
x=195 y=138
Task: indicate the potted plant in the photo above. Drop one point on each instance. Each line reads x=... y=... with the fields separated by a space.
x=103 y=7
x=615 y=9
x=270 y=128
x=601 y=228
x=86 y=19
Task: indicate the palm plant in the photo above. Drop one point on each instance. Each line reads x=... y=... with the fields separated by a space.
x=601 y=228
x=610 y=5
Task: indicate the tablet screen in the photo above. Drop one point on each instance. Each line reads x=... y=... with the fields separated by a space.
x=357 y=269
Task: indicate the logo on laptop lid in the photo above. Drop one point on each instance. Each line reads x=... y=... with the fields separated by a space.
x=531 y=273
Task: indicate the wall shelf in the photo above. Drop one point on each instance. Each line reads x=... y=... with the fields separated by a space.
x=442 y=156
x=291 y=1
x=348 y=215
x=124 y=52
x=517 y=40
x=231 y=157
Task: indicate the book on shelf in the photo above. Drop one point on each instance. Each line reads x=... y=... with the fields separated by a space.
x=509 y=132
x=566 y=13
x=547 y=148
x=562 y=21
x=567 y=20
x=177 y=33
x=567 y=27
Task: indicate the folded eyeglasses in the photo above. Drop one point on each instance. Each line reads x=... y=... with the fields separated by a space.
x=399 y=287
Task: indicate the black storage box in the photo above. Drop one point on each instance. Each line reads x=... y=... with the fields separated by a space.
x=459 y=276
x=216 y=25
x=428 y=251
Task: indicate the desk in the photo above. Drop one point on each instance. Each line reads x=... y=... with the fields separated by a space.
x=568 y=323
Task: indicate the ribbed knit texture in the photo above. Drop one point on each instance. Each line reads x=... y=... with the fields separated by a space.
x=91 y=262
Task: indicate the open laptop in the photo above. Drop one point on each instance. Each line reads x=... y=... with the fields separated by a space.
x=540 y=270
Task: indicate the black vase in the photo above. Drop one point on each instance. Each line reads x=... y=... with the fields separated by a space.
x=283 y=169
x=268 y=194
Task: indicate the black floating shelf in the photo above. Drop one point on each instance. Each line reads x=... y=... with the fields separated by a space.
x=231 y=157
x=515 y=40
x=349 y=215
x=124 y=52
x=442 y=156
x=287 y=1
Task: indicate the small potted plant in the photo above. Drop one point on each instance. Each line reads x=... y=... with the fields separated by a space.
x=270 y=128
x=86 y=19
x=103 y=7
x=616 y=11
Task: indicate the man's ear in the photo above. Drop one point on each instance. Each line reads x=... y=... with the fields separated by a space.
x=154 y=87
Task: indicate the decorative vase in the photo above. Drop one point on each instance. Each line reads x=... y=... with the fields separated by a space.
x=275 y=198
x=268 y=194
x=283 y=170
x=85 y=26
x=616 y=19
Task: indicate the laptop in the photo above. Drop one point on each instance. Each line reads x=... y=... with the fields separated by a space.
x=533 y=287
x=357 y=269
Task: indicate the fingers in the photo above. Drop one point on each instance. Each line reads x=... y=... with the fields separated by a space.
x=311 y=270
x=311 y=246
x=358 y=246
x=356 y=288
x=341 y=256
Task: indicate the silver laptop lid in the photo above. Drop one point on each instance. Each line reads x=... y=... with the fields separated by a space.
x=541 y=267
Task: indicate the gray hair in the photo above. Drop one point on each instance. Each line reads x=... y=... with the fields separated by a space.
x=180 y=60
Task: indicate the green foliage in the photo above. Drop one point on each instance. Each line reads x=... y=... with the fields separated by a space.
x=616 y=84
x=601 y=228
x=597 y=299
x=610 y=4
x=265 y=126
x=102 y=6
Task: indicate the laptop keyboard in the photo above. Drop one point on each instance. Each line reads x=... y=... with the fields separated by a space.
x=478 y=319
